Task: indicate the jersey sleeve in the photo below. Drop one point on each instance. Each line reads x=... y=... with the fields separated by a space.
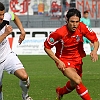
x=12 y=15
x=53 y=38
x=89 y=33
x=9 y=16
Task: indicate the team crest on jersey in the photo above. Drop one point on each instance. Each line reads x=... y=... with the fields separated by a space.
x=51 y=40
x=77 y=38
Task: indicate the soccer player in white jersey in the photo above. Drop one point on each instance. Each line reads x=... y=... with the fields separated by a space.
x=8 y=59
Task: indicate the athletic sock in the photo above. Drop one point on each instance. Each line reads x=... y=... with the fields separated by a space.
x=25 y=86
x=66 y=89
x=83 y=92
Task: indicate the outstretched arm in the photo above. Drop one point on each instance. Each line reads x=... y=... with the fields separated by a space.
x=61 y=65
x=93 y=54
x=20 y=26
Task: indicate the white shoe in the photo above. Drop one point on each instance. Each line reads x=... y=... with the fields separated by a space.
x=26 y=98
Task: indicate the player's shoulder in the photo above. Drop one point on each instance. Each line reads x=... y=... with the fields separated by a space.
x=81 y=25
x=62 y=30
x=7 y=16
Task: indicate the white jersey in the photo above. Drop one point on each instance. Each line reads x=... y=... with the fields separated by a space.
x=4 y=45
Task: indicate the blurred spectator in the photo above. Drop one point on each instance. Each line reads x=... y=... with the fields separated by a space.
x=63 y=7
x=41 y=7
x=87 y=22
x=72 y=4
x=46 y=8
x=85 y=19
x=35 y=8
x=54 y=8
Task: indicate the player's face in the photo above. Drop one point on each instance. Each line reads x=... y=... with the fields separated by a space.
x=73 y=23
x=1 y=16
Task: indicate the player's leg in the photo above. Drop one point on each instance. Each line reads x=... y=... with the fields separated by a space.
x=1 y=76
x=83 y=92
x=1 y=93
x=64 y=90
x=70 y=85
x=24 y=82
x=14 y=66
x=71 y=73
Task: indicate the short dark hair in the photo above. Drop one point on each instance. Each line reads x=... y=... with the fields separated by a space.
x=2 y=7
x=73 y=12
x=85 y=12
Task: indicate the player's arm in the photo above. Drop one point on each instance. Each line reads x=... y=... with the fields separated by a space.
x=51 y=54
x=93 y=54
x=61 y=65
x=91 y=35
x=8 y=30
x=48 y=44
x=20 y=26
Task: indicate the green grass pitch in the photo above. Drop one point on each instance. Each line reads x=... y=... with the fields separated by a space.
x=45 y=77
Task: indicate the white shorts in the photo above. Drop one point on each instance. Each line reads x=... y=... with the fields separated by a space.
x=11 y=64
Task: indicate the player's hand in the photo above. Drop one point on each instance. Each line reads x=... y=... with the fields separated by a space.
x=8 y=29
x=94 y=56
x=61 y=66
x=21 y=38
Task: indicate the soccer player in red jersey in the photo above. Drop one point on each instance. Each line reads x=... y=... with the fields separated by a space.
x=68 y=41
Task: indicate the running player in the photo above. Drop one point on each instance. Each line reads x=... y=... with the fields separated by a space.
x=8 y=59
x=68 y=41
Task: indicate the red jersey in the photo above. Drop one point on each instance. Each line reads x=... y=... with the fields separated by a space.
x=70 y=44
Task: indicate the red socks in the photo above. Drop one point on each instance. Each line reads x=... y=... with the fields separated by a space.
x=83 y=92
x=66 y=89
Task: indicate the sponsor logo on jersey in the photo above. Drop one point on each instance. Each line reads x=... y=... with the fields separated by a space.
x=77 y=38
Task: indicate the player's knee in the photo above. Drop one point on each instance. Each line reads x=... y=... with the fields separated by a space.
x=78 y=80
x=24 y=77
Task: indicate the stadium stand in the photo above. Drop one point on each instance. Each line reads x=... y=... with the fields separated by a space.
x=36 y=21
x=42 y=21
x=45 y=22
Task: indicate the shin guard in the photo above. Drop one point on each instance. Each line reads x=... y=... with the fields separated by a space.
x=25 y=86
x=83 y=92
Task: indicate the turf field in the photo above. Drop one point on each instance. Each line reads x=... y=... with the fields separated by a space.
x=45 y=77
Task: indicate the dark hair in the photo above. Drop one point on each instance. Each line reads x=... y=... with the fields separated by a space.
x=86 y=12
x=2 y=7
x=73 y=12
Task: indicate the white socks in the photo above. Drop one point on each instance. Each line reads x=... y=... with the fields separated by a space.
x=25 y=86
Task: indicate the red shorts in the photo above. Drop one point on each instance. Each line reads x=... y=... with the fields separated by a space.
x=77 y=64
